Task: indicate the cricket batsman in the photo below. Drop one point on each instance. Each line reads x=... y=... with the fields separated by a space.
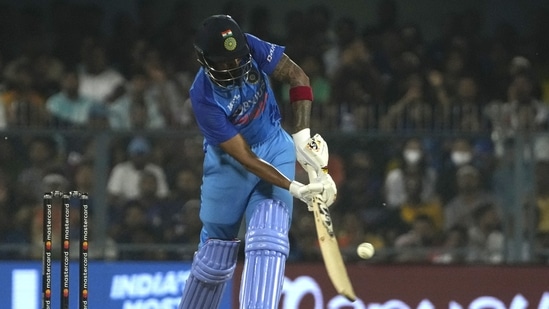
x=249 y=164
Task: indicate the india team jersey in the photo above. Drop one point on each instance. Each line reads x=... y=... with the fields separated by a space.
x=250 y=110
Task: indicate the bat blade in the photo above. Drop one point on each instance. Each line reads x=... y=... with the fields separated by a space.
x=329 y=248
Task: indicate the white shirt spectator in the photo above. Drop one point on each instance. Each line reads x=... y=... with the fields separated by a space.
x=125 y=176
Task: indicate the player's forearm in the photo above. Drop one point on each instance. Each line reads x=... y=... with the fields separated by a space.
x=302 y=114
x=269 y=173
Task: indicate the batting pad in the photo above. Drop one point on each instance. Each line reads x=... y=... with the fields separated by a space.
x=267 y=247
x=213 y=265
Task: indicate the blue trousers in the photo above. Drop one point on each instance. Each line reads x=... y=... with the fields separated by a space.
x=230 y=193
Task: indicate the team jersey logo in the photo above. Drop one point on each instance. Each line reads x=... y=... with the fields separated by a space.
x=253 y=76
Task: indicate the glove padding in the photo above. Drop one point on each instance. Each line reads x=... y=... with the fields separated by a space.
x=312 y=151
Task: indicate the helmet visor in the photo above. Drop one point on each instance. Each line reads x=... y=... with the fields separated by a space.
x=230 y=73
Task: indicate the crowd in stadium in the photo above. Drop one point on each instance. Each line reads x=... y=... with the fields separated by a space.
x=438 y=191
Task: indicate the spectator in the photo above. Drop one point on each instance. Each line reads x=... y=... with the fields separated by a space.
x=360 y=190
x=470 y=196
x=67 y=107
x=134 y=230
x=412 y=110
x=522 y=112
x=356 y=88
x=463 y=111
x=346 y=33
x=352 y=232
x=43 y=159
x=98 y=79
x=487 y=242
x=185 y=186
x=454 y=248
x=135 y=109
x=163 y=89
x=24 y=105
x=460 y=153
x=415 y=206
x=418 y=244
x=184 y=229
x=123 y=182
x=412 y=160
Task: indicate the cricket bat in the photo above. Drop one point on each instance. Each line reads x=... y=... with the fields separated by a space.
x=328 y=244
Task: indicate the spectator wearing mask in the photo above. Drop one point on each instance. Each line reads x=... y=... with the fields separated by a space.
x=460 y=153
x=413 y=159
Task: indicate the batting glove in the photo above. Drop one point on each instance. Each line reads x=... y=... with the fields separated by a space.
x=305 y=192
x=301 y=139
x=329 y=189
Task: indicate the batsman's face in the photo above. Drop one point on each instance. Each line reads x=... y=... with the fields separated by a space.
x=229 y=73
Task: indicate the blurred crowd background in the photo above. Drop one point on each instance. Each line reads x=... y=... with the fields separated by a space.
x=439 y=146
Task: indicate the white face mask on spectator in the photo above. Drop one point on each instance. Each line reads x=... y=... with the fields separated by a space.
x=461 y=157
x=412 y=156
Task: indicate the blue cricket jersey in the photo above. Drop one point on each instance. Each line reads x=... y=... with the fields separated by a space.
x=250 y=109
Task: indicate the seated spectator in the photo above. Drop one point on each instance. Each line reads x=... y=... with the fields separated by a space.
x=360 y=187
x=459 y=153
x=185 y=186
x=43 y=158
x=356 y=89
x=68 y=108
x=523 y=110
x=486 y=240
x=415 y=206
x=135 y=230
x=98 y=79
x=24 y=105
x=136 y=109
x=455 y=246
x=461 y=109
x=419 y=242
x=163 y=89
x=184 y=228
x=412 y=111
x=470 y=196
x=413 y=160
x=352 y=232
x=123 y=182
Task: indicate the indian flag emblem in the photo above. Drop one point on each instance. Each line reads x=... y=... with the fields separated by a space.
x=227 y=33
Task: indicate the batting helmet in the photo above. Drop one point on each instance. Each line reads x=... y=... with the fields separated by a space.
x=223 y=51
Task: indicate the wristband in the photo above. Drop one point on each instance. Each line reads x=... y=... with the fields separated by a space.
x=299 y=93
